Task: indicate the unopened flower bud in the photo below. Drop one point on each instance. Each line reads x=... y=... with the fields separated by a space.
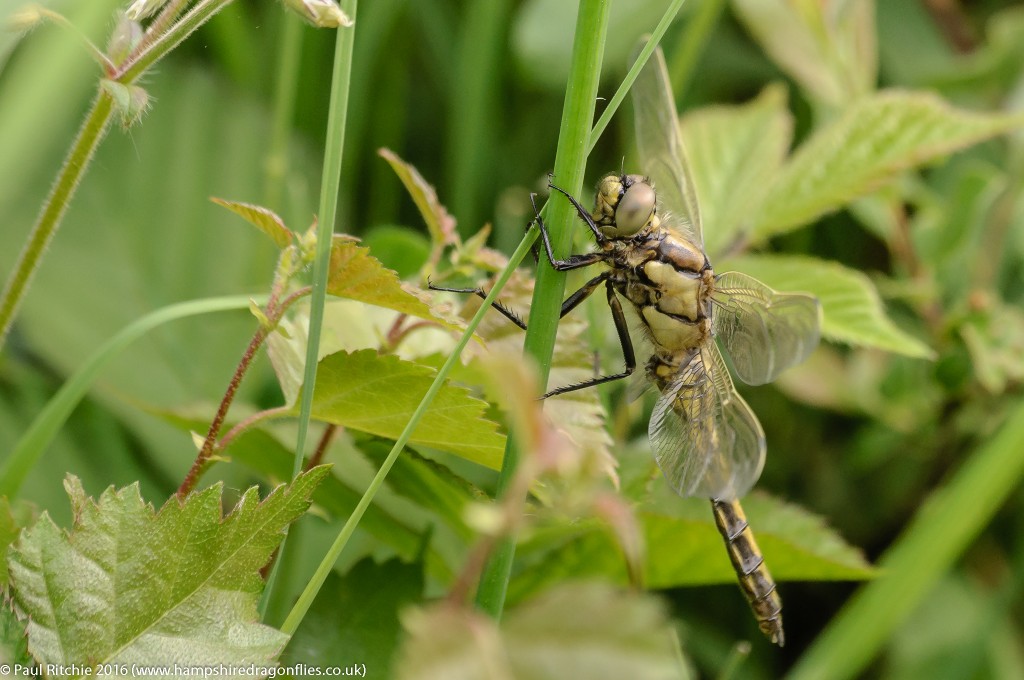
x=140 y=9
x=320 y=13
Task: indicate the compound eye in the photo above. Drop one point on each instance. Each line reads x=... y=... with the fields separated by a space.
x=635 y=208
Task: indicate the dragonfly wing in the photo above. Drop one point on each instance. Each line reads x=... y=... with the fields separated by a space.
x=705 y=438
x=660 y=145
x=764 y=332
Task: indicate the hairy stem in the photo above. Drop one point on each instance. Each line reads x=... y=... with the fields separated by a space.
x=274 y=312
x=89 y=136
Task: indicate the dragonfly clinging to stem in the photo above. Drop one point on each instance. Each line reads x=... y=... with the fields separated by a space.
x=705 y=438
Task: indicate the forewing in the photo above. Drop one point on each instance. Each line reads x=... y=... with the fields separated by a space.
x=707 y=441
x=660 y=146
x=764 y=332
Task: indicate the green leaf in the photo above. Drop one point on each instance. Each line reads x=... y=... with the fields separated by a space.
x=14 y=642
x=829 y=49
x=852 y=312
x=357 y=275
x=591 y=630
x=586 y=630
x=264 y=219
x=354 y=619
x=131 y=585
x=874 y=139
x=429 y=484
x=377 y=394
x=440 y=224
x=685 y=548
x=735 y=151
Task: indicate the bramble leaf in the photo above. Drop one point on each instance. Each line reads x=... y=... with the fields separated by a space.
x=873 y=140
x=377 y=394
x=262 y=218
x=734 y=153
x=129 y=584
x=579 y=630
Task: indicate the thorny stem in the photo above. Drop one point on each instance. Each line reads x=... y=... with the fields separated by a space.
x=274 y=312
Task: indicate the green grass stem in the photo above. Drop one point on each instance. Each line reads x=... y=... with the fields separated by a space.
x=634 y=71
x=570 y=164
x=329 y=181
x=941 y=531
x=30 y=448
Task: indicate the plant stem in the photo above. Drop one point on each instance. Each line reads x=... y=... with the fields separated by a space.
x=330 y=179
x=157 y=27
x=274 y=312
x=573 y=142
x=321 y=447
x=89 y=136
x=305 y=600
x=82 y=150
x=247 y=423
x=136 y=65
x=634 y=71
x=336 y=118
x=942 y=530
x=30 y=448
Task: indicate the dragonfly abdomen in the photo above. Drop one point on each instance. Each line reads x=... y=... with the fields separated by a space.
x=755 y=580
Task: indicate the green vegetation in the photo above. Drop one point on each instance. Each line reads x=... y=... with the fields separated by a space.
x=157 y=375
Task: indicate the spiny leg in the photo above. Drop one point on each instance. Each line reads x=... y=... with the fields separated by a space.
x=479 y=292
x=581 y=211
x=573 y=261
x=621 y=328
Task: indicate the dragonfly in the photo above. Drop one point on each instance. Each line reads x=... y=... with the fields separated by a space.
x=649 y=235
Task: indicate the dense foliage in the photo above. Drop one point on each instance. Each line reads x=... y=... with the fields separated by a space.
x=868 y=153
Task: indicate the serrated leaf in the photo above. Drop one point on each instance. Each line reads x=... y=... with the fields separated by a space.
x=264 y=219
x=354 y=619
x=852 y=311
x=734 y=152
x=872 y=141
x=577 y=630
x=830 y=49
x=440 y=224
x=131 y=585
x=377 y=394
x=685 y=548
x=357 y=275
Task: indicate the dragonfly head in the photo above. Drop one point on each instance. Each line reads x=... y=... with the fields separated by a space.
x=625 y=205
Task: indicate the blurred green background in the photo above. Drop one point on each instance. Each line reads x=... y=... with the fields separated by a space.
x=470 y=92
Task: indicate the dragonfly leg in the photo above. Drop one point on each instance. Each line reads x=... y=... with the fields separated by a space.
x=571 y=262
x=621 y=328
x=479 y=292
x=581 y=211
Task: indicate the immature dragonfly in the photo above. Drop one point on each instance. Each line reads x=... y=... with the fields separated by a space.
x=705 y=438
